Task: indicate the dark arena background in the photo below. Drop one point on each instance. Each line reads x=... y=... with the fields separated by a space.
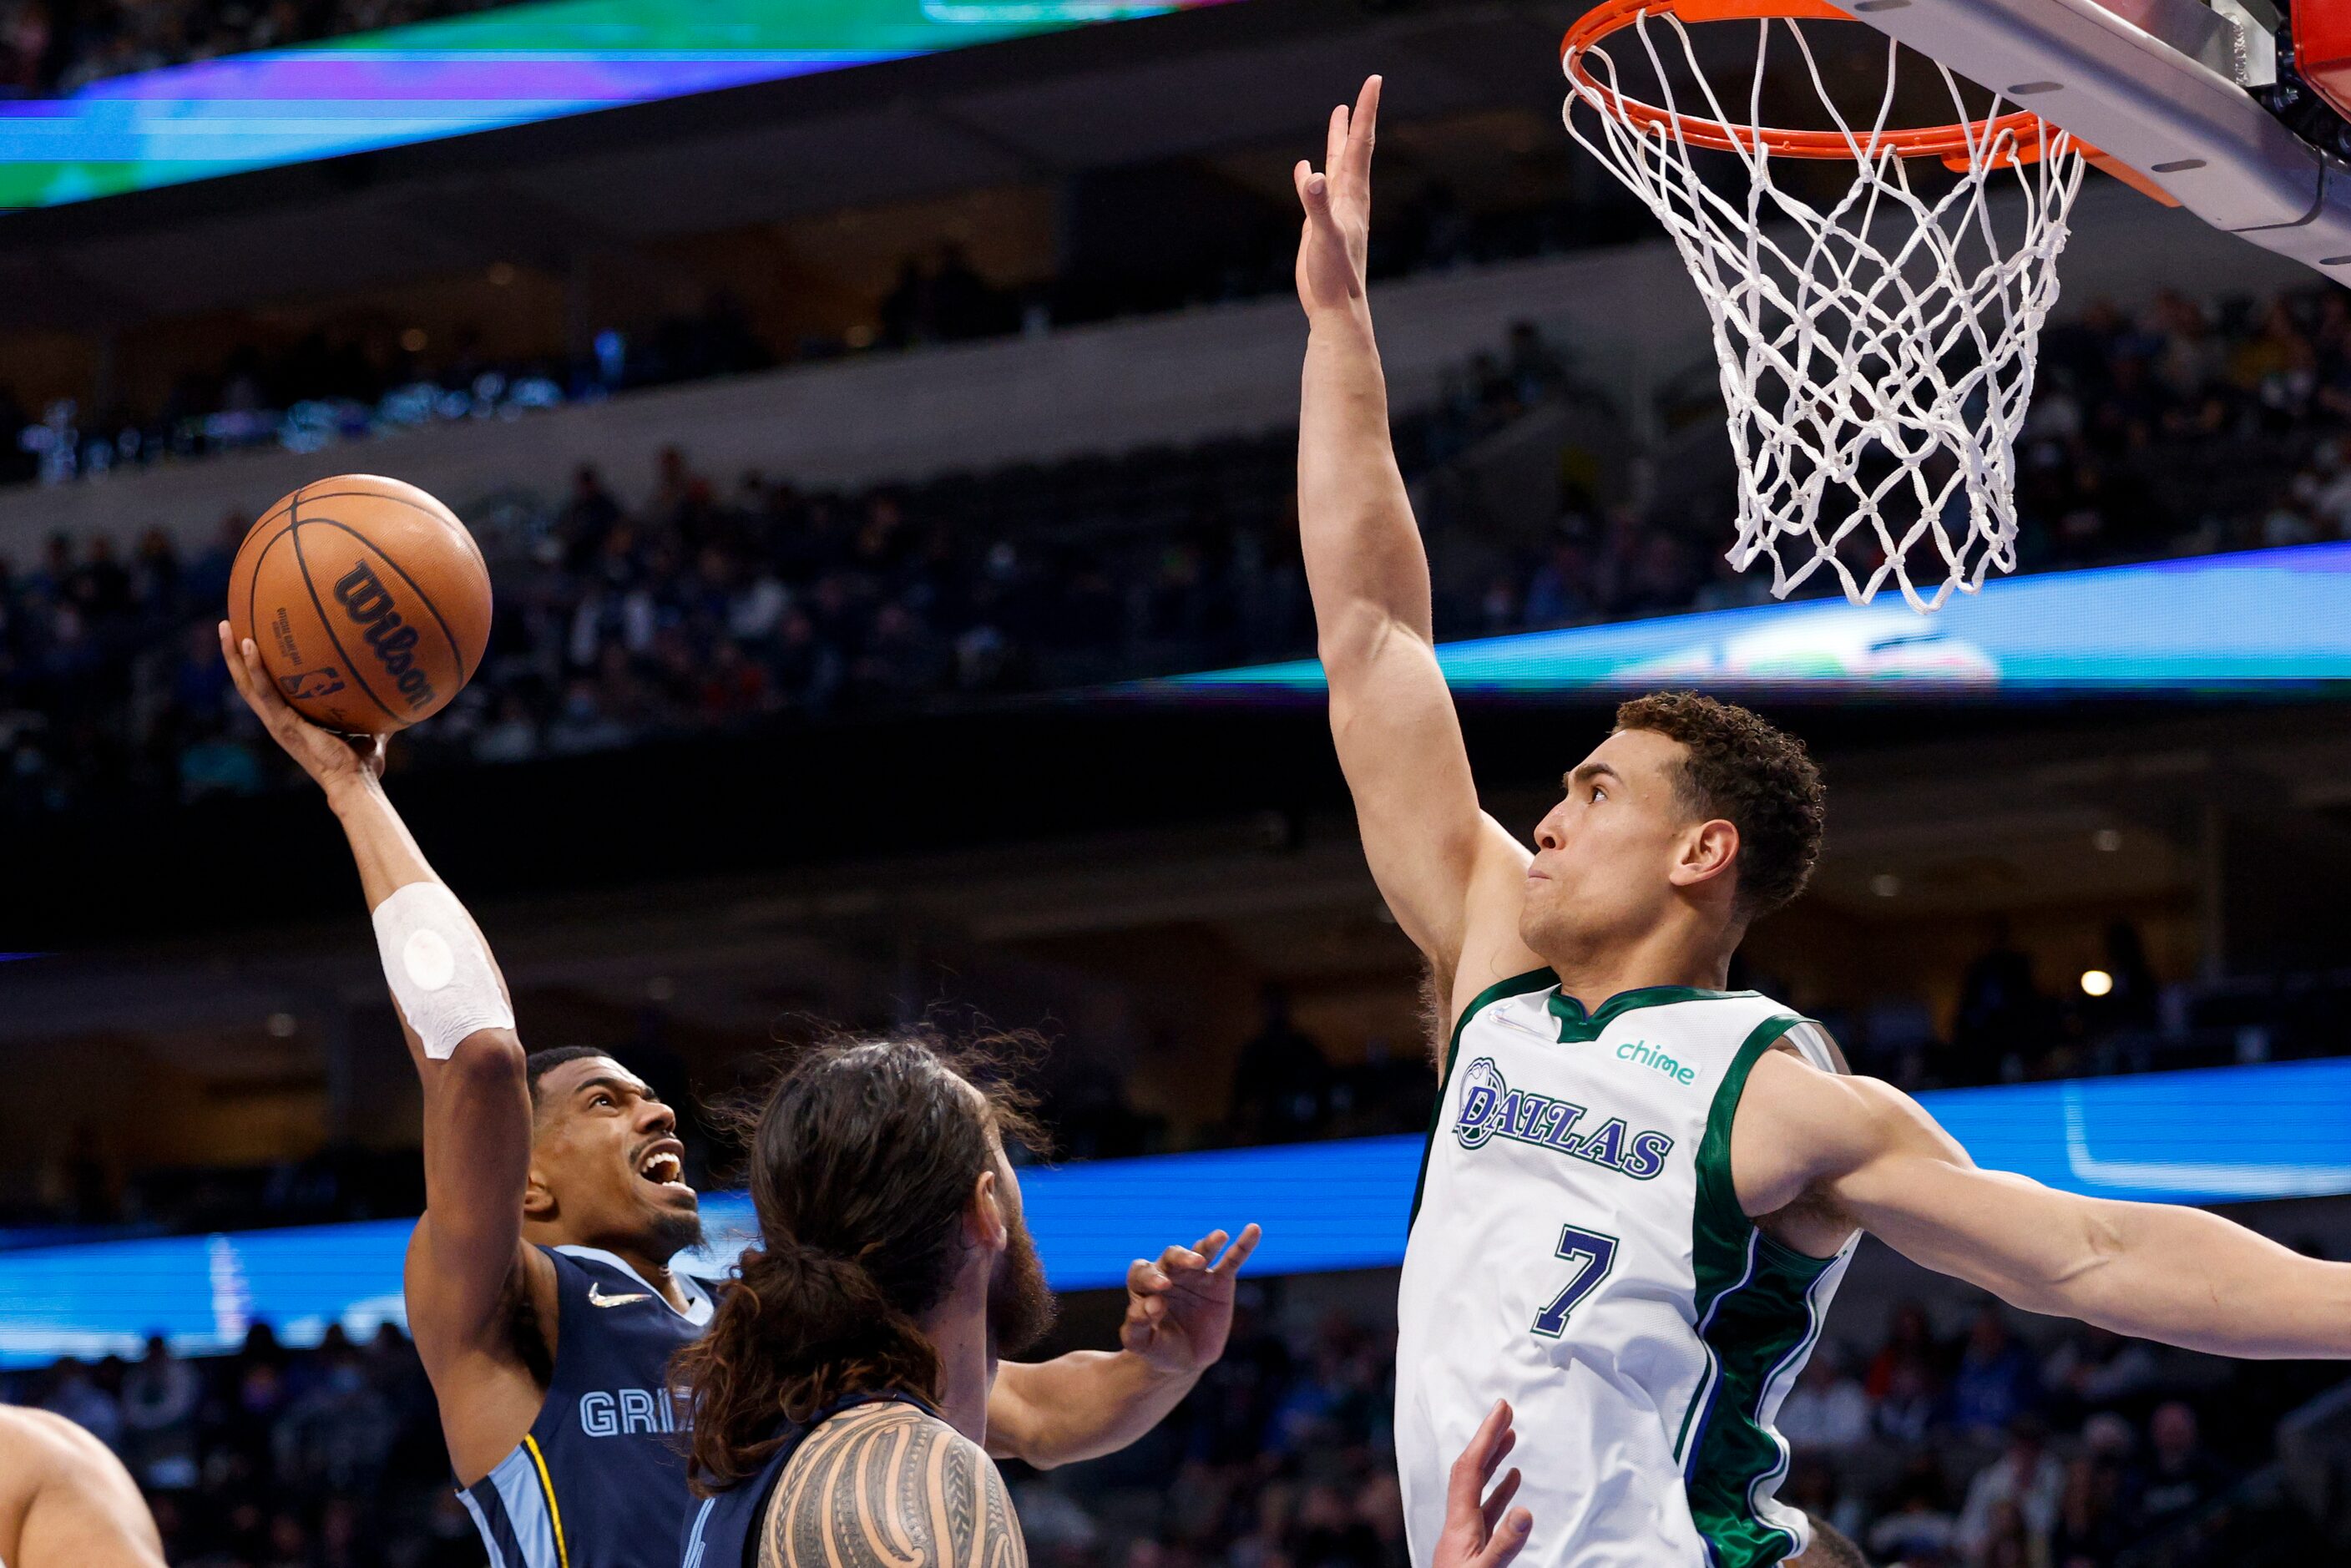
x=882 y=431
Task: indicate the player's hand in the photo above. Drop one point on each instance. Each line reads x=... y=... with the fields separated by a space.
x=1481 y=1529
x=1180 y=1308
x=331 y=761
x=1337 y=235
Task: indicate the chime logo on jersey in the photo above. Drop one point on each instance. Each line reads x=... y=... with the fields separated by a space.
x=1491 y=1109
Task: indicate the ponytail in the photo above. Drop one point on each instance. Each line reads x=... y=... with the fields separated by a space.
x=794 y=1333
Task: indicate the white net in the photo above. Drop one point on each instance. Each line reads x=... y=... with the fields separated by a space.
x=1877 y=351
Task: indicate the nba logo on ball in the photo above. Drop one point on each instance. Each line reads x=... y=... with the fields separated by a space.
x=369 y=600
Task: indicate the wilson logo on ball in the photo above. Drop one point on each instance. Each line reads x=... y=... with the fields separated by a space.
x=367 y=602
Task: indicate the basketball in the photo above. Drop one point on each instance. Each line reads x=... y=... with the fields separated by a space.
x=368 y=599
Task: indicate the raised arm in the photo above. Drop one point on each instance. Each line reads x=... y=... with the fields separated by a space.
x=1179 y=1310
x=466 y=1257
x=1867 y=1153
x=1450 y=873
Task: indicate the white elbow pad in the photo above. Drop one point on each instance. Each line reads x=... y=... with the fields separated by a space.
x=440 y=974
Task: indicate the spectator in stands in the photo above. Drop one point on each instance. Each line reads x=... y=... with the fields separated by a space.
x=1909 y=1361
x=1917 y=1528
x=160 y=1398
x=338 y=1433
x=2181 y=1478
x=2018 y=1493
x=1997 y=1382
x=1827 y=1410
x=80 y=1396
x=2001 y=1011
x=2089 y=1530
x=2092 y=1370
x=2134 y=1000
x=1282 y=1084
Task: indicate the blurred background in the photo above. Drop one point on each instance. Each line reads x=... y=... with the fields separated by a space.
x=880 y=419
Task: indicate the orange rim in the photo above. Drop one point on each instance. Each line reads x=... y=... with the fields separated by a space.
x=1956 y=145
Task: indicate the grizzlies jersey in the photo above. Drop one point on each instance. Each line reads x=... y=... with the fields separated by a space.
x=600 y=1481
x=1577 y=1248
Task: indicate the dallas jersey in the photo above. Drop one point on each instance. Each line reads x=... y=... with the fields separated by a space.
x=600 y=1479
x=1577 y=1248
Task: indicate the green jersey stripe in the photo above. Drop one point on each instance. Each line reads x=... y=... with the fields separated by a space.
x=1755 y=1311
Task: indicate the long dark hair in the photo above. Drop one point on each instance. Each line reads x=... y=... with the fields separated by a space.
x=863 y=1156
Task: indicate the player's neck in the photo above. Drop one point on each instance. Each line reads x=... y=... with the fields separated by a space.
x=653 y=1270
x=1674 y=954
x=658 y=1275
x=957 y=1330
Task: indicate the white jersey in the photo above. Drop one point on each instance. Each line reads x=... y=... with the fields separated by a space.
x=1577 y=1248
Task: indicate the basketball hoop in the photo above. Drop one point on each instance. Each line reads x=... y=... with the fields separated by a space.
x=1877 y=352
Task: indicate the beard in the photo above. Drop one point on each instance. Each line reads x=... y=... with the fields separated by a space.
x=672 y=1232
x=1020 y=1306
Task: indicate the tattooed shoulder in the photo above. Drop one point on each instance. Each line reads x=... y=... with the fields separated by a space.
x=885 y=1486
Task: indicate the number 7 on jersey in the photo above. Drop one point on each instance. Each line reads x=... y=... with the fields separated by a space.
x=1591 y=1255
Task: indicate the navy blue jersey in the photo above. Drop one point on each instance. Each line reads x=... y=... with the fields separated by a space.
x=723 y=1532
x=599 y=1481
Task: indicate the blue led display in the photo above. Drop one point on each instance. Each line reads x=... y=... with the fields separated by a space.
x=2254 y=622
x=2219 y=1135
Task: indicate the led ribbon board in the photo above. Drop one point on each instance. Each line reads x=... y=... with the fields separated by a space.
x=509 y=66
x=2217 y=1135
x=2256 y=621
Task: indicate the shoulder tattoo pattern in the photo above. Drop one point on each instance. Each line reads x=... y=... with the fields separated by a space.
x=888 y=1487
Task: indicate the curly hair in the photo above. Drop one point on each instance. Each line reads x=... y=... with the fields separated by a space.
x=1757 y=778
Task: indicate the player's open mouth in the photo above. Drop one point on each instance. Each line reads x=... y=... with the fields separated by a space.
x=663 y=1167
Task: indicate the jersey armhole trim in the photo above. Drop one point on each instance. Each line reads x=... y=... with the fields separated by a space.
x=546 y=1484
x=1728 y=1258
x=1516 y=986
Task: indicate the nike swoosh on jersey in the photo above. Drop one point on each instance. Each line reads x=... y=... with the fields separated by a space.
x=597 y=1298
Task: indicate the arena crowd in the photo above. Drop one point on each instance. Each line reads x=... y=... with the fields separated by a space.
x=1975 y=1448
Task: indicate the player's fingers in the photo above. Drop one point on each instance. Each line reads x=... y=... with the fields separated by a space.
x=1314 y=193
x=1497 y=1501
x=1362 y=132
x=1335 y=141
x=1180 y=1261
x=1144 y=1279
x=259 y=689
x=1465 y=1489
x=1238 y=1253
x=1506 y=1540
x=1207 y=1246
x=233 y=658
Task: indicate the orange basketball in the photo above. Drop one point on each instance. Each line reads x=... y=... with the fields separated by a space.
x=369 y=600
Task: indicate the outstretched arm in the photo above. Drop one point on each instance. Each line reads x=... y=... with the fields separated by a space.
x=2158 y=1271
x=1089 y=1403
x=1452 y=875
x=465 y=1260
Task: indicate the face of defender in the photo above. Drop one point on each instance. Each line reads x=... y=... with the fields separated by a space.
x=1605 y=854
x=607 y=1169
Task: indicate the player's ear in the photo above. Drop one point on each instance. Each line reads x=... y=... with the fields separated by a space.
x=1706 y=853
x=537 y=1198
x=984 y=1224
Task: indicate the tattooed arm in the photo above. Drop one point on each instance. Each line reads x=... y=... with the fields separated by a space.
x=885 y=1486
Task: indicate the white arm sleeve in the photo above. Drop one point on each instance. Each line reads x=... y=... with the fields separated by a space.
x=440 y=974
